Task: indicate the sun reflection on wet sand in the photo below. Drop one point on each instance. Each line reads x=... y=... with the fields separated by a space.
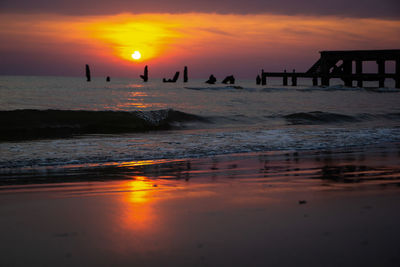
x=138 y=212
x=241 y=209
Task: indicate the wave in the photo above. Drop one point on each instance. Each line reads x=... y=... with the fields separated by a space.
x=35 y=124
x=317 y=117
x=218 y=88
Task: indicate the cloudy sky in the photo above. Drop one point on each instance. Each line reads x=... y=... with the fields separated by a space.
x=56 y=37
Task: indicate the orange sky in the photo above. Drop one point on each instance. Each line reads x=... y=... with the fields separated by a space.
x=222 y=44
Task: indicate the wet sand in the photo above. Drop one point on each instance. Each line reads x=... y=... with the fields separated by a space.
x=313 y=208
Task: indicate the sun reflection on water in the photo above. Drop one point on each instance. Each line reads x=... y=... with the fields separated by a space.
x=135 y=85
x=135 y=99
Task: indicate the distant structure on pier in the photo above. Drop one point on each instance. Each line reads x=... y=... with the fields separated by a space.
x=339 y=64
x=88 y=78
x=145 y=75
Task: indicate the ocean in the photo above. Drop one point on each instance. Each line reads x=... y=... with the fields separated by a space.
x=52 y=123
x=128 y=173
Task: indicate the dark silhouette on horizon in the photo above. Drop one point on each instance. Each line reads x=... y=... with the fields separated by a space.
x=285 y=78
x=88 y=73
x=339 y=64
x=263 y=78
x=173 y=80
x=185 y=75
x=294 y=78
x=108 y=79
x=211 y=80
x=145 y=76
x=229 y=80
x=258 y=79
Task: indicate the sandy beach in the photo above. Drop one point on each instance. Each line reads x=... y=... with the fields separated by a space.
x=311 y=208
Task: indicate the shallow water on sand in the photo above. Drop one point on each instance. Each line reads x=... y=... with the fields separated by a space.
x=336 y=208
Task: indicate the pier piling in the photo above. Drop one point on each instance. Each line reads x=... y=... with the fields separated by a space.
x=285 y=78
x=397 y=72
x=294 y=78
x=315 y=81
x=347 y=70
x=263 y=78
x=359 y=72
x=381 y=71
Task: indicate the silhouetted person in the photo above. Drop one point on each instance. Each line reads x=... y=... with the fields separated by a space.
x=87 y=73
x=211 y=80
x=108 y=79
x=145 y=76
x=258 y=79
x=229 y=79
x=185 y=75
x=174 y=79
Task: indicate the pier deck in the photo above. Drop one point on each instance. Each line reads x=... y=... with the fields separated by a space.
x=339 y=64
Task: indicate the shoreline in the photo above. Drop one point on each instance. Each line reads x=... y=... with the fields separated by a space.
x=344 y=165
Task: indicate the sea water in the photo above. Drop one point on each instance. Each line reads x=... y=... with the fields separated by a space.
x=241 y=118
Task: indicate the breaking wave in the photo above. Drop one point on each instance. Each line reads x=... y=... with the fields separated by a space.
x=318 y=117
x=33 y=124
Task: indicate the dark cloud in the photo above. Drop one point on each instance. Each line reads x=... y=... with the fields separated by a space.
x=346 y=8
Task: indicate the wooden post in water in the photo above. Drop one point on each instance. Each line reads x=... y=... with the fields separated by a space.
x=263 y=78
x=294 y=78
x=359 y=72
x=88 y=78
x=145 y=75
x=185 y=75
x=285 y=78
x=381 y=71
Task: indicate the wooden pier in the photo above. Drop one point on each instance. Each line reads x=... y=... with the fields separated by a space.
x=339 y=64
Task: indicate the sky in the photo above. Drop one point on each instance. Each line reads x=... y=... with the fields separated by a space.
x=221 y=37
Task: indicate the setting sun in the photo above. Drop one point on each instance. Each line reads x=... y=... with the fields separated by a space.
x=136 y=55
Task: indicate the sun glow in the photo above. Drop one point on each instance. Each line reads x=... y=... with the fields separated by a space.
x=136 y=55
x=150 y=35
x=193 y=38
